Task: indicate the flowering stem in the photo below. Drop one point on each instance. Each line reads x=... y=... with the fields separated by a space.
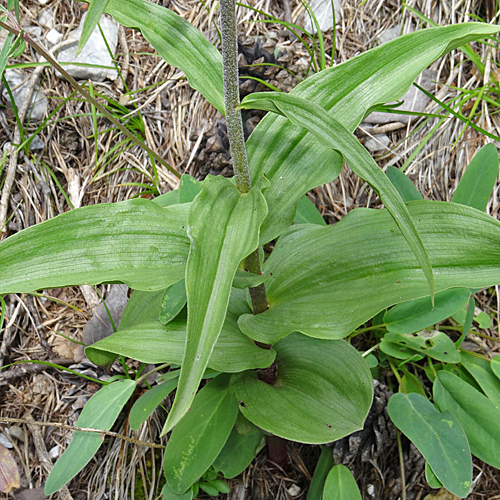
x=235 y=132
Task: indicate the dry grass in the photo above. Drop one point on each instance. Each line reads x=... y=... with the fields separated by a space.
x=177 y=121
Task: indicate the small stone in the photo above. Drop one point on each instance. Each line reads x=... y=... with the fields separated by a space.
x=53 y=36
x=16 y=432
x=322 y=10
x=377 y=143
x=5 y=441
x=17 y=82
x=46 y=18
x=41 y=385
x=95 y=52
x=36 y=144
x=294 y=490
x=55 y=452
x=34 y=31
x=389 y=34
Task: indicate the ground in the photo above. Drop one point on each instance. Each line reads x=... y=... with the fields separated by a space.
x=189 y=134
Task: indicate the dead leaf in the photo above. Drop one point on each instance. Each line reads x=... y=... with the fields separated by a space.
x=442 y=494
x=99 y=326
x=9 y=472
x=64 y=348
x=31 y=494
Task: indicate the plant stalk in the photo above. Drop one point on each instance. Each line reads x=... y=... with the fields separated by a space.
x=258 y=293
x=232 y=95
x=235 y=132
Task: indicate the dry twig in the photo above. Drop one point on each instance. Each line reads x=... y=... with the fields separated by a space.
x=42 y=453
x=82 y=429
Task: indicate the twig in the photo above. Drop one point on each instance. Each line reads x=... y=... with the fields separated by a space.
x=126 y=59
x=21 y=371
x=82 y=429
x=287 y=8
x=41 y=451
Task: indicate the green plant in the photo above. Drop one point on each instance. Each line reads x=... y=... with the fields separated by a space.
x=271 y=335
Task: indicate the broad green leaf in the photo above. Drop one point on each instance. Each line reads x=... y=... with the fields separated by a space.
x=405 y=187
x=417 y=314
x=478 y=181
x=460 y=372
x=135 y=242
x=479 y=417
x=323 y=391
x=220 y=486
x=100 y=412
x=435 y=344
x=189 y=187
x=244 y=279
x=399 y=351
x=167 y=199
x=327 y=281
x=340 y=485
x=307 y=213
x=94 y=12
x=209 y=488
x=223 y=229
x=483 y=320
x=149 y=341
x=142 y=307
x=460 y=315
x=330 y=133
x=294 y=162
x=323 y=467
x=147 y=403
x=173 y=300
x=481 y=370
x=438 y=436
x=495 y=366
x=371 y=360
x=431 y=478
x=178 y=42
x=169 y=494
x=244 y=442
x=200 y=436
x=410 y=383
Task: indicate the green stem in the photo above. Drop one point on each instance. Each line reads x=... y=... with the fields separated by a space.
x=402 y=465
x=258 y=293
x=235 y=132
x=232 y=95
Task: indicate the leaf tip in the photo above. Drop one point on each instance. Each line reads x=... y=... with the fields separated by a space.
x=172 y=420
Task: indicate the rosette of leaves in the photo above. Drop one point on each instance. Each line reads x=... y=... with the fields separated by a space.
x=322 y=282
